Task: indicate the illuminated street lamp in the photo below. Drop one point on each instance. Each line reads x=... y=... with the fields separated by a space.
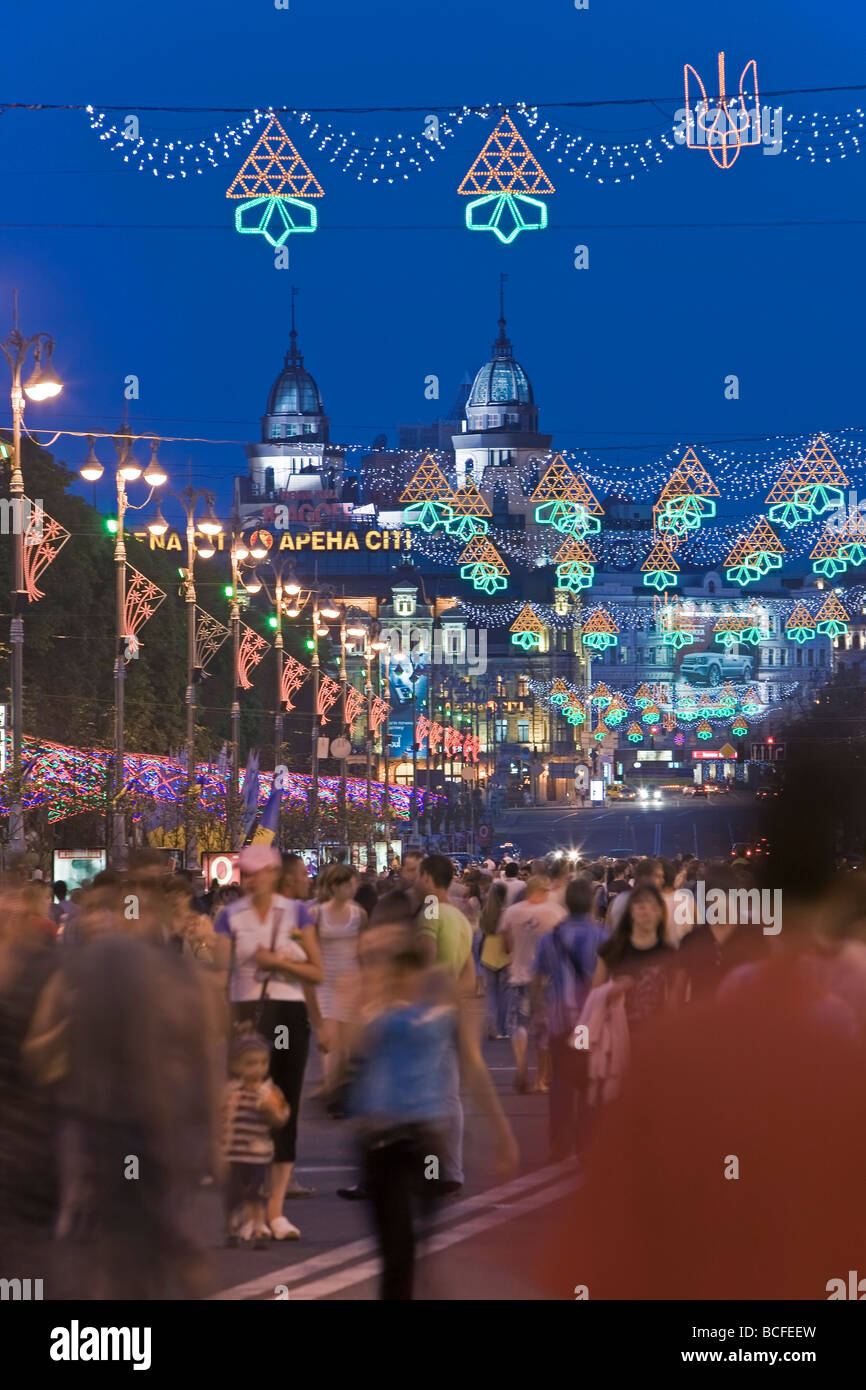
x=42 y=384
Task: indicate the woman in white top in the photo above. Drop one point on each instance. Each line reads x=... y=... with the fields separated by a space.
x=338 y=920
x=270 y=949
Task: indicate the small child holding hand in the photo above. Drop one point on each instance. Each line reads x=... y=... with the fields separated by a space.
x=252 y=1107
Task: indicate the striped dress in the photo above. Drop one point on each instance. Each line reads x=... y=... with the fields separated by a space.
x=247 y=1133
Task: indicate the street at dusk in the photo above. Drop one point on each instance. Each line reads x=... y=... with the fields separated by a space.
x=432 y=676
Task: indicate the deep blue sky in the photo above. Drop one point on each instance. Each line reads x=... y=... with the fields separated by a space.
x=634 y=350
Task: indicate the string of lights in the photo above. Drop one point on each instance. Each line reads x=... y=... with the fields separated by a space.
x=815 y=136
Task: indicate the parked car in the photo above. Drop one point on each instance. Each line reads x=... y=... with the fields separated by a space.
x=712 y=668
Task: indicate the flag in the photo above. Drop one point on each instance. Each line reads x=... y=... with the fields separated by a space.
x=250 y=803
x=265 y=832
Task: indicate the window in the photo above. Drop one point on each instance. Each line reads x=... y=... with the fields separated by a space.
x=523 y=731
x=522 y=687
x=799 y=656
x=769 y=656
x=403 y=774
x=651 y=655
x=623 y=655
x=822 y=657
x=269 y=480
x=501 y=730
x=309 y=429
x=811 y=657
x=783 y=657
x=404 y=605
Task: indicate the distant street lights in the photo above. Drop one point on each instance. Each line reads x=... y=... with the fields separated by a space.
x=208 y=527
x=42 y=385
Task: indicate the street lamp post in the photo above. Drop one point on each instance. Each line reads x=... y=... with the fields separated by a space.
x=42 y=385
x=129 y=470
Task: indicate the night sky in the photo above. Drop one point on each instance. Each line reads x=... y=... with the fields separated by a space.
x=146 y=276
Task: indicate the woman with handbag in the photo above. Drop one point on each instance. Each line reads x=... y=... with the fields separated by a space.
x=271 y=952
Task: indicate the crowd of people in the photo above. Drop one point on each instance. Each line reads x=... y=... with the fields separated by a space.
x=155 y=1033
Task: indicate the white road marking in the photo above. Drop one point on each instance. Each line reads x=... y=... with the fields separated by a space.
x=358 y=1274
x=342 y=1254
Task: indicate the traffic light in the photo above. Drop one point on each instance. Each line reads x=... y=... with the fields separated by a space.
x=272 y=622
x=310 y=644
x=228 y=591
x=111 y=525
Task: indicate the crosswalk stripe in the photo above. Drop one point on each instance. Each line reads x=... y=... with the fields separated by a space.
x=342 y=1254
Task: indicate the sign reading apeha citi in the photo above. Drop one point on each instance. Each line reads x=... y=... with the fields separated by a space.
x=300 y=540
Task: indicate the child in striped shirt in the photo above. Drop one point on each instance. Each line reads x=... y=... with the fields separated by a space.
x=252 y=1107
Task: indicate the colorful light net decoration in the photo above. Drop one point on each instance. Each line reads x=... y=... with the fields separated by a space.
x=565 y=501
x=669 y=722
x=559 y=692
x=66 y=781
x=651 y=715
x=800 y=626
x=660 y=569
x=739 y=727
x=753 y=556
x=643 y=696
x=751 y=701
x=292 y=677
x=527 y=629
x=601 y=696
x=599 y=631
x=274 y=181
x=575 y=565
x=832 y=618
x=210 y=634
x=601 y=730
x=44 y=538
x=143 y=597
x=428 y=494
x=685 y=500
x=468 y=513
x=729 y=124
x=501 y=181
x=704 y=730
x=635 y=734
x=482 y=563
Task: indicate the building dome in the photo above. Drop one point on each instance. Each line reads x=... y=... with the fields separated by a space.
x=501 y=396
x=294 y=392
x=502 y=380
